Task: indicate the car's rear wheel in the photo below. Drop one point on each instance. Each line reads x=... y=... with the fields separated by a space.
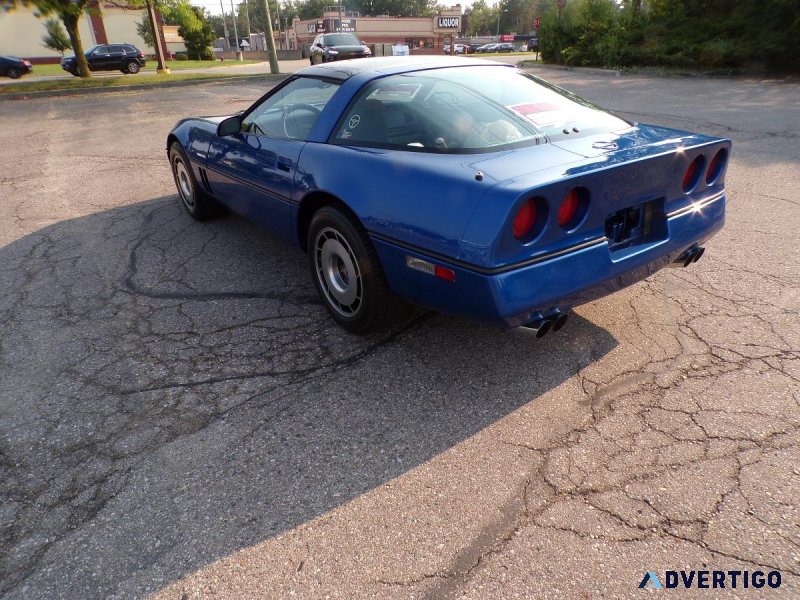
x=198 y=203
x=14 y=73
x=346 y=271
x=133 y=67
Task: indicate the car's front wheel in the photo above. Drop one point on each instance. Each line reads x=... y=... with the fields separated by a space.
x=199 y=204
x=346 y=271
x=133 y=67
x=14 y=73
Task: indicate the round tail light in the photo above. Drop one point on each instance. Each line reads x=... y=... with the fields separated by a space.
x=692 y=175
x=525 y=219
x=573 y=208
x=716 y=167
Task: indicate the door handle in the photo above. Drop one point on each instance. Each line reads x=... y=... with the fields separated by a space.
x=284 y=164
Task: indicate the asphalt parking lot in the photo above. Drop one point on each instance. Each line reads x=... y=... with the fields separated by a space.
x=180 y=417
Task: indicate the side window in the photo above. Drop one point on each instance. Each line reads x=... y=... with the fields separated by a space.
x=117 y=49
x=101 y=51
x=292 y=110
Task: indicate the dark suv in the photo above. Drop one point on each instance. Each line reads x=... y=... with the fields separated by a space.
x=109 y=57
x=337 y=46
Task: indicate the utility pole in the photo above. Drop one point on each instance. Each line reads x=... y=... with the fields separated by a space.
x=224 y=24
x=278 y=4
x=247 y=10
x=273 y=56
x=162 y=68
x=236 y=33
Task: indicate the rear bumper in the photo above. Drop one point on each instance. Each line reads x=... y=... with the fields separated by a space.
x=517 y=296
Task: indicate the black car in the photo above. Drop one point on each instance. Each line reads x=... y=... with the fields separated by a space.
x=109 y=57
x=504 y=47
x=328 y=47
x=11 y=66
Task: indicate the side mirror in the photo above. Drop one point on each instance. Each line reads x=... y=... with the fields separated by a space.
x=230 y=126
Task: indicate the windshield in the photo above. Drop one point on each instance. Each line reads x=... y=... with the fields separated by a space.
x=472 y=109
x=341 y=39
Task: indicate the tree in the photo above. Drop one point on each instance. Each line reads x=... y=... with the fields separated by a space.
x=55 y=37
x=180 y=13
x=198 y=40
x=70 y=13
x=145 y=30
x=480 y=18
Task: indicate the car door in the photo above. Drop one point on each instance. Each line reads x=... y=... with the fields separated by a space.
x=253 y=171
x=116 y=57
x=100 y=59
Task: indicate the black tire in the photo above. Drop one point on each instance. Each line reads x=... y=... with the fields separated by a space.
x=198 y=203
x=133 y=67
x=346 y=272
x=14 y=73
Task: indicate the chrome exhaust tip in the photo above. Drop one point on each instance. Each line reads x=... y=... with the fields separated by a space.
x=560 y=320
x=687 y=257
x=537 y=327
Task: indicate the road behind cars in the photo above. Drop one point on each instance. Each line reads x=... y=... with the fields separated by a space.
x=180 y=415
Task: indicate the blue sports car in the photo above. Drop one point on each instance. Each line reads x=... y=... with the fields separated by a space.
x=466 y=186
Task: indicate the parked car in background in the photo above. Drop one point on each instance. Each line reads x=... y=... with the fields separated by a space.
x=328 y=47
x=489 y=48
x=13 y=67
x=463 y=185
x=473 y=48
x=109 y=57
x=504 y=47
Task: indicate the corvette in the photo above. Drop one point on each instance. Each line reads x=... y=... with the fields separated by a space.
x=465 y=186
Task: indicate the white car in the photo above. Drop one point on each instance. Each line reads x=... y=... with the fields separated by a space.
x=459 y=49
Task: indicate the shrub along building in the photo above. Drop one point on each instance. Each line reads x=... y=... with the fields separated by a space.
x=21 y=32
x=420 y=34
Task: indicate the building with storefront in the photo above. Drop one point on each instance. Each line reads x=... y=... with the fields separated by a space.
x=418 y=33
x=21 y=32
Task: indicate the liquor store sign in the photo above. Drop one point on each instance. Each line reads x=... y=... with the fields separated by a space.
x=447 y=23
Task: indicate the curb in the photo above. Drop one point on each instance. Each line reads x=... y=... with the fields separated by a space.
x=589 y=70
x=228 y=79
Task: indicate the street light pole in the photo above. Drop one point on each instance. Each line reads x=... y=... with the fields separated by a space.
x=499 y=14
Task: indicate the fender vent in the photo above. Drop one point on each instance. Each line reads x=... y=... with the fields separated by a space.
x=204 y=178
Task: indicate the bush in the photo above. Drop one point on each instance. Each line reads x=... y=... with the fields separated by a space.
x=181 y=56
x=207 y=54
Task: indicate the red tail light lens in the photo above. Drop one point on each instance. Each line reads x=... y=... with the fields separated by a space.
x=525 y=219
x=692 y=175
x=568 y=209
x=573 y=208
x=716 y=166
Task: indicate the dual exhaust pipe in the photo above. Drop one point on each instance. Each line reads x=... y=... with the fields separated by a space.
x=687 y=257
x=540 y=327
x=543 y=325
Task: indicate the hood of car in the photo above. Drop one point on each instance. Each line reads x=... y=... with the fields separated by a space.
x=348 y=48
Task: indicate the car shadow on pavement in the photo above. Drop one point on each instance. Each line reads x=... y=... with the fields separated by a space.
x=173 y=391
